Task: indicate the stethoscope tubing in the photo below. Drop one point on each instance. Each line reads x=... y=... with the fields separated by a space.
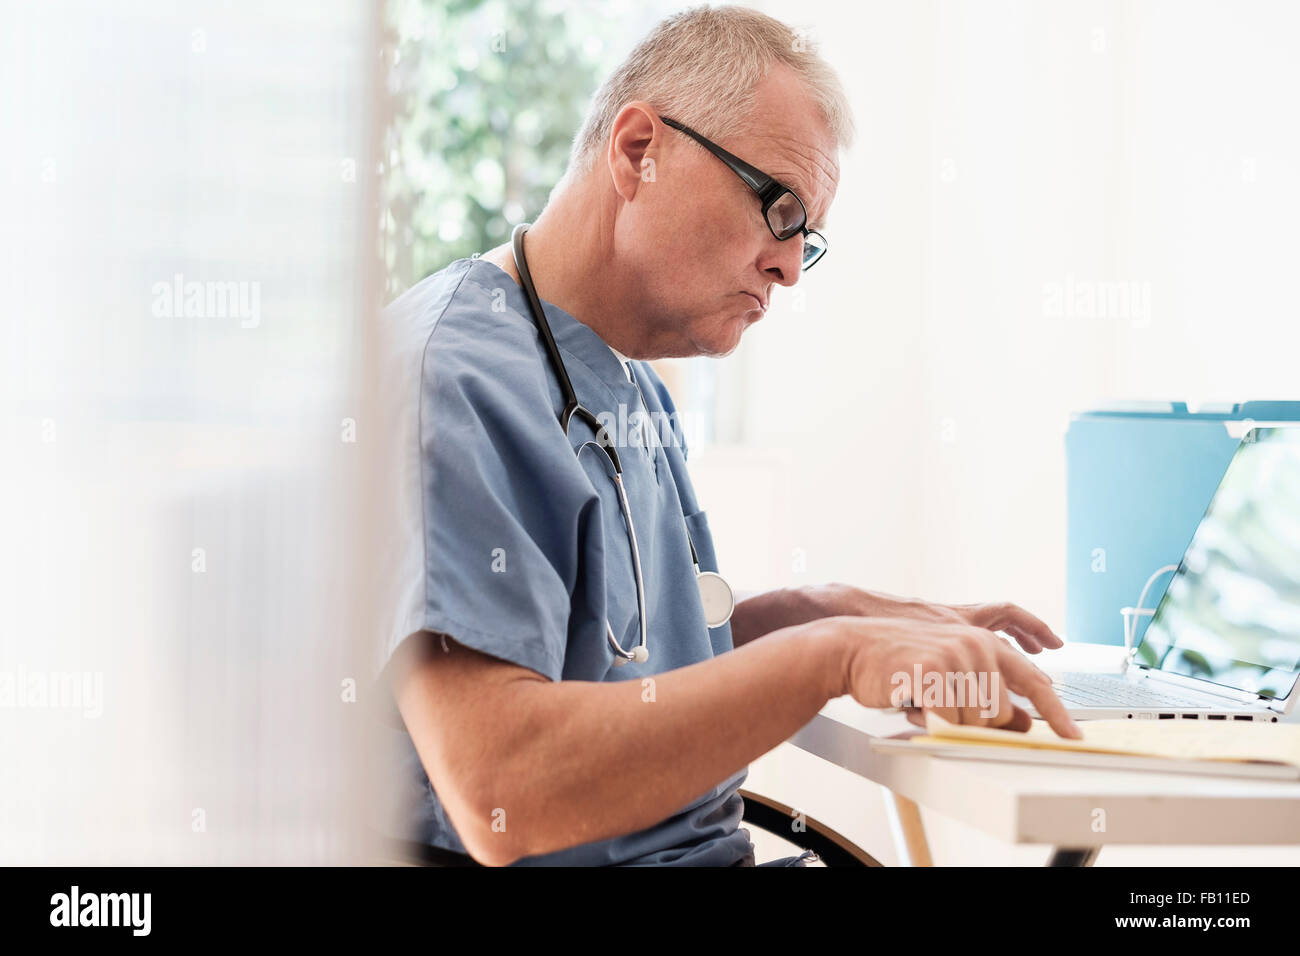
x=572 y=408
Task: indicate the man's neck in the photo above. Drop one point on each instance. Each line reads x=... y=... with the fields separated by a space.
x=571 y=262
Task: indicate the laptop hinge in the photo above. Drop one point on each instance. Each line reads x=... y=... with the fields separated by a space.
x=1182 y=682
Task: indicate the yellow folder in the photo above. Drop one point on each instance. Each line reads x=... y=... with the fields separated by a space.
x=1241 y=741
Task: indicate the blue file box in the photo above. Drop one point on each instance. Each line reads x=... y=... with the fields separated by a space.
x=1139 y=477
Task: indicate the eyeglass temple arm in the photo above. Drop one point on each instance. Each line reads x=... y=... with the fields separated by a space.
x=757 y=180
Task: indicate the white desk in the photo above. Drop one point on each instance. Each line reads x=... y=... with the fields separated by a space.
x=1056 y=805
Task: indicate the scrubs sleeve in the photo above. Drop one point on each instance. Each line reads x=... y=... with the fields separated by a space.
x=502 y=500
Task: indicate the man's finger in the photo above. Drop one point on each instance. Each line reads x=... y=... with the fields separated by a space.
x=1020 y=720
x=1045 y=676
x=997 y=712
x=1018 y=622
x=1030 y=643
x=1023 y=678
x=1032 y=626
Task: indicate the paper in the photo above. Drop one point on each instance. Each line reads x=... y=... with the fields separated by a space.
x=1178 y=740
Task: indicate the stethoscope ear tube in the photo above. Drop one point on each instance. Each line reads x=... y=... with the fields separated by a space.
x=602 y=434
x=539 y=319
x=642 y=652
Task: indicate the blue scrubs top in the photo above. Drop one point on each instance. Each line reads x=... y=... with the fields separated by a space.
x=515 y=546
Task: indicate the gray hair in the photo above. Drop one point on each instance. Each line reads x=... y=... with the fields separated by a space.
x=700 y=68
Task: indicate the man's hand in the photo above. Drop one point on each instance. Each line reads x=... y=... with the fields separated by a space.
x=884 y=656
x=1029 y=631
x=767 y=612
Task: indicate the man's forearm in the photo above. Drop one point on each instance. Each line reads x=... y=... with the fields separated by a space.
x=584 y=761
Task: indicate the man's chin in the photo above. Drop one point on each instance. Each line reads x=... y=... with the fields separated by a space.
x=726 y=339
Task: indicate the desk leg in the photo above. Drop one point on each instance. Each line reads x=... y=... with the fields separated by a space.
x=1063 y=856
x=909 y=833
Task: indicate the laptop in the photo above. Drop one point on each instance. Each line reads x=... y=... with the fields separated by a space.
x=1224 y=641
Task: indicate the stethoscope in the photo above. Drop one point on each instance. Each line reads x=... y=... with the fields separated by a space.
x=716 y=596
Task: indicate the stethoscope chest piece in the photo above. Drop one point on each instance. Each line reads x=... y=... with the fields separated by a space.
x=716 y=597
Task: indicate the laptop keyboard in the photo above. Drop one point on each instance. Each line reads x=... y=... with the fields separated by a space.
x=1108 y=690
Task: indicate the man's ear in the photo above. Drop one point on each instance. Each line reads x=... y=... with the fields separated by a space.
x=633 y=148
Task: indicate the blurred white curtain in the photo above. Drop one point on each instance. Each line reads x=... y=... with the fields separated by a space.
x=188 y=260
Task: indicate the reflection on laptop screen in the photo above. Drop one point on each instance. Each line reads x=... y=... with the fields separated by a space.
x=1232 y=611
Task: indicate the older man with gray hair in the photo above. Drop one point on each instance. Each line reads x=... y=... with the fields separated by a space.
x=575 y=683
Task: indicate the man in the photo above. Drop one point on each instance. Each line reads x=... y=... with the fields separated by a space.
x=530 y=740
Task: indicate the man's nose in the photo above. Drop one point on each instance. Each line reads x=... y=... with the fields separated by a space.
x=782 y=261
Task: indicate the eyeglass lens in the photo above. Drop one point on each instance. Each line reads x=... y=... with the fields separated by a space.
x=786 y=215
x=813 y=247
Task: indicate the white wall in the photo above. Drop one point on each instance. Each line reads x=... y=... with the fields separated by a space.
x=912 y=411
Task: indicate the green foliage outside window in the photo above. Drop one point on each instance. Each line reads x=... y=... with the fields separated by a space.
x=487 y=96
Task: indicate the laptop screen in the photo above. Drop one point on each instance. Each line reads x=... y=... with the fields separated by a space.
x=1231 y=614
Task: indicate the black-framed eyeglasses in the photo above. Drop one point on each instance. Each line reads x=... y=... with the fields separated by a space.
x=782 y=209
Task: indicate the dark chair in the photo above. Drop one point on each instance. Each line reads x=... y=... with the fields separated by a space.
x=772 y=816
x=762 y=813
